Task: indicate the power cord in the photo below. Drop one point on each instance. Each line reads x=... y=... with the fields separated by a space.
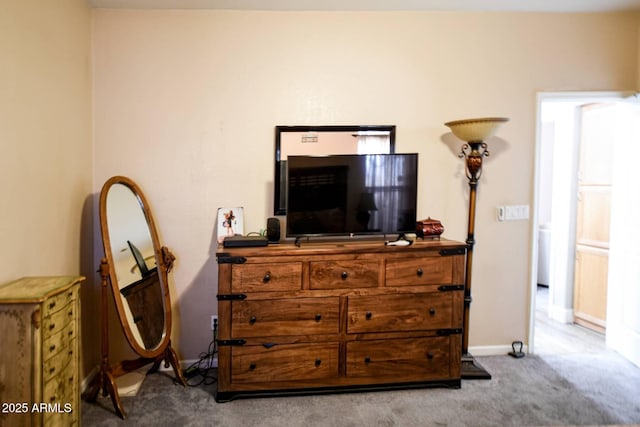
x=203 y=370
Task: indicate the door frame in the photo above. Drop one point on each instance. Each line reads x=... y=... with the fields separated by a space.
x=580 y=97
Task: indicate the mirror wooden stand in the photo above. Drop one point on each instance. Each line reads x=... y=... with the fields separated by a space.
x=138 y=284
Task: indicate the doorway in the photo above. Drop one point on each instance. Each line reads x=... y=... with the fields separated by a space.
x=554 y=225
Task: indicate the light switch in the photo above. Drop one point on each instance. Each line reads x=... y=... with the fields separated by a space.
x=513 y=212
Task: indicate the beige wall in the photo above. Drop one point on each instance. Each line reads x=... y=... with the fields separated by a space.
x=45 y=134
x=186 y=103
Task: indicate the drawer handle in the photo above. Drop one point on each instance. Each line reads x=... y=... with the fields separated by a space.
x=318 y=317
x=70 y=313
x=53 y=347
x=368 y=315
x=252 y=366
x=318 y=362
x=432 y=311
x=52 y=326
x=252 y=320
x=344 y=275
x=53 y=304
x=430 y=355
x=266 y=277
x=52 y=370
x=419 y=272
x=367 y=360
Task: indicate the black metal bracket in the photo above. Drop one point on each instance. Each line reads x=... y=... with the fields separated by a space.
x=450 y=331
x=225 y=258
x=453 y=251
x=231 y=342
x=231 y=297
x=445 y=288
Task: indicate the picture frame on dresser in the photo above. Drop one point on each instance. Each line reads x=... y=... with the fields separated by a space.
x=229 y=222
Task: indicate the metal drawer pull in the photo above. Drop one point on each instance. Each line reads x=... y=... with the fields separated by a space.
x=53 y=304
x=266 y=277
x=252 y=319
x=52 y=370
x=430 y=355
x=367 y=360
x=344 y=275
x=70 y=313
x=432 y=311
x=368 y=315
x=52 y=326
x=419 y=272
x=318 y=362
x=318 y=317
x=53 y=347
x=252 y=366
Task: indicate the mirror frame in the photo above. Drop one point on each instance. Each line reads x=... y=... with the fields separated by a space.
x=164 y=260
x=277 y=190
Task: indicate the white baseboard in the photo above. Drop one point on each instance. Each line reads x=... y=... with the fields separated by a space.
x=87 y=380
x=184 y=364
x=560 y=314
x=494 y=350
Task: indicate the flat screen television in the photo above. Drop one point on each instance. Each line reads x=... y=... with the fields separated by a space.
x=351 y=195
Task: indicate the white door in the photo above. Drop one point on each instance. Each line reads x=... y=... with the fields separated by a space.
x=623 y=299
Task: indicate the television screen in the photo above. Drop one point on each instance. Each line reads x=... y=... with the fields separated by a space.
x=351 y=194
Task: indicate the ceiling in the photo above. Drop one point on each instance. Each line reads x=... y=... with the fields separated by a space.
x=469 y=5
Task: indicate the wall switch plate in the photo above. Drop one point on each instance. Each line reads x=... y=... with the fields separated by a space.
x=513 y=212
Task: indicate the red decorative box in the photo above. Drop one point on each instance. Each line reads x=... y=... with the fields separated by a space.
x=429 y=228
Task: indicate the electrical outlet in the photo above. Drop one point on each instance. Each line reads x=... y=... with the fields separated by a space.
x=214 y=321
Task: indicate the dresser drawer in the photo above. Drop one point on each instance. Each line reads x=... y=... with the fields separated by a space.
x=400 y=312
x=58 y=321
x=266 y=277
x=56 y=359
x=289 y=316
x=413 y=359
x=60 y=301
x=344 y=274
x=284 y=362
x=434 y=270
x=61 y=388
x=59 y=341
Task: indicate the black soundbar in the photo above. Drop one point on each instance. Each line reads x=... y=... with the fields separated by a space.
x=244 y=241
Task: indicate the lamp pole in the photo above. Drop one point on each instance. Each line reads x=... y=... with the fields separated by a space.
x=474 y=132
x=473 y=152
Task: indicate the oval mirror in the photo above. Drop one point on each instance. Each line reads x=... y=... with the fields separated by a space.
x=137 y=273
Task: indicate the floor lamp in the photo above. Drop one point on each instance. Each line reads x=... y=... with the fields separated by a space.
x=474 y=132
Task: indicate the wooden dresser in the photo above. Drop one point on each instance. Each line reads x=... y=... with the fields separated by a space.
x=39 y=361
x=326 y=317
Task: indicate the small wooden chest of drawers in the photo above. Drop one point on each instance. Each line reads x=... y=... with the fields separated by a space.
x=329 y=317
x=39 y=362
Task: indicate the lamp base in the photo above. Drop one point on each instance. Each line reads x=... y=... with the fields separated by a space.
x=472 y=370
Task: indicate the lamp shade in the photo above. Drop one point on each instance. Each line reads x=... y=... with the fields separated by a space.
x=475 y=130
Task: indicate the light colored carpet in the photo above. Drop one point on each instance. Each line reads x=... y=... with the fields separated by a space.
x=570 y=389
